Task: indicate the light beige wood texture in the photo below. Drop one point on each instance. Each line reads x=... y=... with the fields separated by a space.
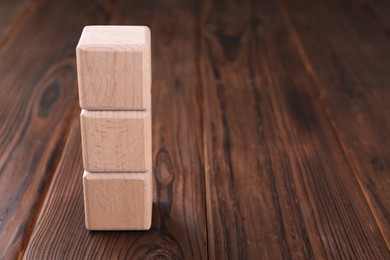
x=114 y=68
x=118 y=201
x=116 y=141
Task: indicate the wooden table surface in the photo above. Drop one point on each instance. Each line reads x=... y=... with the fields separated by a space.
x=271 y=130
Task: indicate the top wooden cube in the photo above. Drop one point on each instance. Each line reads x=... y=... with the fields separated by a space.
x=114 y=68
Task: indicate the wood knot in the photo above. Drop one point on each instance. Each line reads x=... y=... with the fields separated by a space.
x=50 y=96
x=165 y=177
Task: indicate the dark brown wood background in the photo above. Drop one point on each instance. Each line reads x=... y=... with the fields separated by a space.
x=271 y=130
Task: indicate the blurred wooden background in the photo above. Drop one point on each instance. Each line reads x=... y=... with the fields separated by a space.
x=271 y=129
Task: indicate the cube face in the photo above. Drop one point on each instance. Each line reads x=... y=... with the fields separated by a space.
x=114 y=68
x=118 y=201
x=116 y=141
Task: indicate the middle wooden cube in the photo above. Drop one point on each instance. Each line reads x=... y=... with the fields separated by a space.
x=116 y=141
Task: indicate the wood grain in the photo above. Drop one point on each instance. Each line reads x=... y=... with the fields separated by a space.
x=116 y=141
x=378 y=12
x=118 y=201
x=114 y=68
x=179 y=219
x=349 y=65
x=278 y=185
x=13 y=14
x=37 y=98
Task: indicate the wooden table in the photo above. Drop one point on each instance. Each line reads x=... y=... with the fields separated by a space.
x=271 y=130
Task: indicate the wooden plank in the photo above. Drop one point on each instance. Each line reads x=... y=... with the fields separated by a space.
x=349 y=64
x=278 y=185
x=38 y=95
x=179 y=218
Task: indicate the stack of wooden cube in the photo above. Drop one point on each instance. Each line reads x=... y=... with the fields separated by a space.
x=114 y=77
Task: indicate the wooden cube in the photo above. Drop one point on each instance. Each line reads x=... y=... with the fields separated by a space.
x=116 y=141
x=114 y=68
x=118 y=201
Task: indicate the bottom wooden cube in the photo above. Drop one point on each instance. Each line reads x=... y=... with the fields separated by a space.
x=118 y=201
